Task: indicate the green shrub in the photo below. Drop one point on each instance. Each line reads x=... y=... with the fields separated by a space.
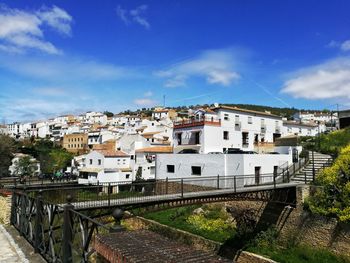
x=332 y=197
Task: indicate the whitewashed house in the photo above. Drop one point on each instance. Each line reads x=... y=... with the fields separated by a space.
x=325 y=117
x=249 y=169
x=145 y=160
x=100 y=137
x=302 y=129
x=105 y=167
x=222 y=127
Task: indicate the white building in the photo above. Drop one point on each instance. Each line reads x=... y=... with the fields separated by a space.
x=100 y=137
x=255 y=168
x=302 y=129
x=325 y=117
x=105 y=167
x=145 y=159
x=222 y=127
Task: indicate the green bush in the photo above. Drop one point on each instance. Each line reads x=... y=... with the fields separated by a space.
x=212 y=224
x=265 y=243
x=331 y=143
x=332 y=197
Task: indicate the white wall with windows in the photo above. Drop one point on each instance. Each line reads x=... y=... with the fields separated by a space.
x=223 y=165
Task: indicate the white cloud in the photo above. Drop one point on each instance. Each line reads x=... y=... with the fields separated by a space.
x=22 y=30
x=136 y=15
x=145 y=102
x=345 y=46
x=328 y=80
x=216 y=66
x=63 y=68
x=57 y=18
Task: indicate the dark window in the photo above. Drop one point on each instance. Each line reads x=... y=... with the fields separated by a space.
x=225 y=135
x=245 y=139
x=99 y=161
x=127 y=176
x=179 y=138
x=257 y=174
x=275 y=171
x=197 y=138
x=170 y=168
x=196 y=170
x=90 y=161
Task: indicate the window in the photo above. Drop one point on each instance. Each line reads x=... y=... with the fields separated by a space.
x=170 y=168
x=250 y=120
x=90 y=161
x=196 y=170
x=226 y=118
x=179 y=138
x=127 y=176
x=245 y=139
x=99 y=162
x=197 y=138
x=225 y=135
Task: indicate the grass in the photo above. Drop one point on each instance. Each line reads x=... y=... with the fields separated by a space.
x=299 y=254
x=178 y=218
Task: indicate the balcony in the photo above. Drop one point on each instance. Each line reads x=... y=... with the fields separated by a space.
x=197 y=122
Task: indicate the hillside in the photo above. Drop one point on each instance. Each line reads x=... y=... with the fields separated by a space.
x=284 y=112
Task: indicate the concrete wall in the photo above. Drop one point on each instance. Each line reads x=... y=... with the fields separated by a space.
x=224 y=165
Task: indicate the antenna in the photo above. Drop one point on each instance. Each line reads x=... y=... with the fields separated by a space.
x=163 y=101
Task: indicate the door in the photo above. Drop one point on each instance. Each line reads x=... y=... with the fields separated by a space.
x=275 y=171
x=257 y=175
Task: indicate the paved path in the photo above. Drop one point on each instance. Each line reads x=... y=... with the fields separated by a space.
x=9 y=250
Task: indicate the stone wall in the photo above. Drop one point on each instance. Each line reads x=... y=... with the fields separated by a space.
x=302 y=227
x=5 y=211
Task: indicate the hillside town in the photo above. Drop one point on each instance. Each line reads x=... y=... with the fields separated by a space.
x=123 y=147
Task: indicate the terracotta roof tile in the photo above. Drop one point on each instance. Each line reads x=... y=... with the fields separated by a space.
x=156 y=149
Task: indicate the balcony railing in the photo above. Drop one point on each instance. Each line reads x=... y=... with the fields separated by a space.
x=197 y=122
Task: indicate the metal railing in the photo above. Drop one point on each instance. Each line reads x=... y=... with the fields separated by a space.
x=111 y=194
x=58 y=232
x=197 y=122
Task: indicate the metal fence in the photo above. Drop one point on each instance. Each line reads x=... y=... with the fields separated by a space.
x=112 y=194
x=57 y=232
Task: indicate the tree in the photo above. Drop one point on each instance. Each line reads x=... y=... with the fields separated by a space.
x=60 y=159
x=25 y=167
x=138 y=176
x=7 y=148
x=108 y=113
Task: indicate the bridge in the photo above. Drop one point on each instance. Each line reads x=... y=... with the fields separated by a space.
x=47 y=217
x=46 y=213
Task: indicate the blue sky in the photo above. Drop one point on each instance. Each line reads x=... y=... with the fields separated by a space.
x=60 y=57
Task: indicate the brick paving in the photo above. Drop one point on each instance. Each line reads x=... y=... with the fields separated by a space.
x=145 y=246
